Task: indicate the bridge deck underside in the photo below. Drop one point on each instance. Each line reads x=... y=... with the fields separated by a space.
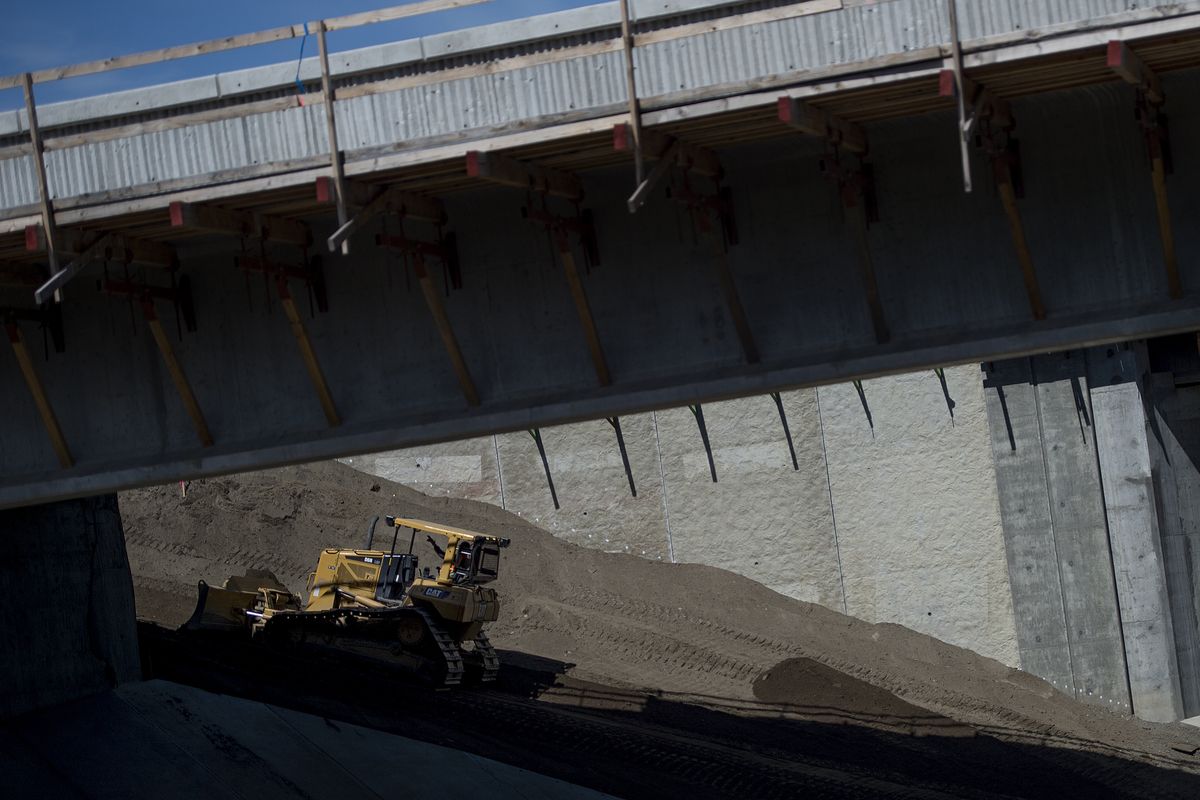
x=945 y=270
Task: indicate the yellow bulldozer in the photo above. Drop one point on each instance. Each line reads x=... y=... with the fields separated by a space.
x=376 y=606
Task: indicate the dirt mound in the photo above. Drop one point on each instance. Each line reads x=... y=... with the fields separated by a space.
x=689 y=633
x=812 y=690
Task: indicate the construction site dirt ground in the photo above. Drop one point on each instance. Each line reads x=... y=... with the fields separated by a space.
x=641 y=678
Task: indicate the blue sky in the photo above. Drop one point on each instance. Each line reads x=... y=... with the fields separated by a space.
x=54 y=33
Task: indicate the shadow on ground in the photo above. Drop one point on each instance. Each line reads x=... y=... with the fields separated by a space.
x=640 y=745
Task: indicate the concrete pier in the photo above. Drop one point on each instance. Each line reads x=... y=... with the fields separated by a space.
x=66 y=599
x=1064 y=599
x=1128 y=451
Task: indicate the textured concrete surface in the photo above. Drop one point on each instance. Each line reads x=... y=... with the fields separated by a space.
x=66 y=599
x=1056 y=533
x=466 y=468
x=906 y=555
x=1028 y=531
x=596 y=509
x=1124 y=442
x=164 y=740
x=914 y=498
x=1177 y=412
x=762 y=518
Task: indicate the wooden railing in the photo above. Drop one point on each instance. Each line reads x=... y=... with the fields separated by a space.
x=319 y=28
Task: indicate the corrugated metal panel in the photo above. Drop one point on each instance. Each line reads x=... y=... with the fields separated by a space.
x=992 y=17
x=593 y=83
x=809 y=42
x=18 y=184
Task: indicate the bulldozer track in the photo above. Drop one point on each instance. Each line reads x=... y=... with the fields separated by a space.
x=449 y=648
x=491 y=660
x=313 y=621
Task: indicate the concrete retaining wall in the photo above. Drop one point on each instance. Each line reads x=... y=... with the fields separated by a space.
x=67 y=600
x=1046 y=513
x=1177 y=425
x=860 y=524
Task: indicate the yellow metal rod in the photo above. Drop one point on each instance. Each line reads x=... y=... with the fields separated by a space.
x=866 y=267
x=39 y=396
x=733 y=299
x=310 y=358
x=179 y=379
x=442 y=320
x=1159 y=177
x=584 y=308
x=1008 y=198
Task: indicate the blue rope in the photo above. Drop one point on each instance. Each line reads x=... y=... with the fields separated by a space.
x=299 y=84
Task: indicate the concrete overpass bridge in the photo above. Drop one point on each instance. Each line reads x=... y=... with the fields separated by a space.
x=435 y=239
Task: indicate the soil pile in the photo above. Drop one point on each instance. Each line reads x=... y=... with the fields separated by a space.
x=685 y=633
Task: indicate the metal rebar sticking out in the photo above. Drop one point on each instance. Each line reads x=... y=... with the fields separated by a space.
x=635 y=114
x=956 y=51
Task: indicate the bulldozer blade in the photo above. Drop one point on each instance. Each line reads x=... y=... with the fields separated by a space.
x=219 y=609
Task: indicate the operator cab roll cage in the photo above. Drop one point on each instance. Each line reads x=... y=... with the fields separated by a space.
x=472 y=558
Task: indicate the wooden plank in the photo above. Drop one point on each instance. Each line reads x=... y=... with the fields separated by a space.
x=175 y=369
x=1133 y=70
x=656 y=144
x=117 y=247
x=308 y=354
x=433 y=299
x=214 y=219
x=39 y=170
x=584 y=309
x=222 y=186
x=499 y=168
x=181 y=121
x=40 y=400
x=1008 y=198
x=335 y=153
x=789 y=11
x=18 y=150
x=396 y=12
x=235 y=42
x=552 y=56
x=814 y=121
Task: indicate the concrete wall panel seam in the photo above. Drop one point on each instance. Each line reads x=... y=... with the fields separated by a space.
x=1037 y=404
x=662 y=477
x=832 y=508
